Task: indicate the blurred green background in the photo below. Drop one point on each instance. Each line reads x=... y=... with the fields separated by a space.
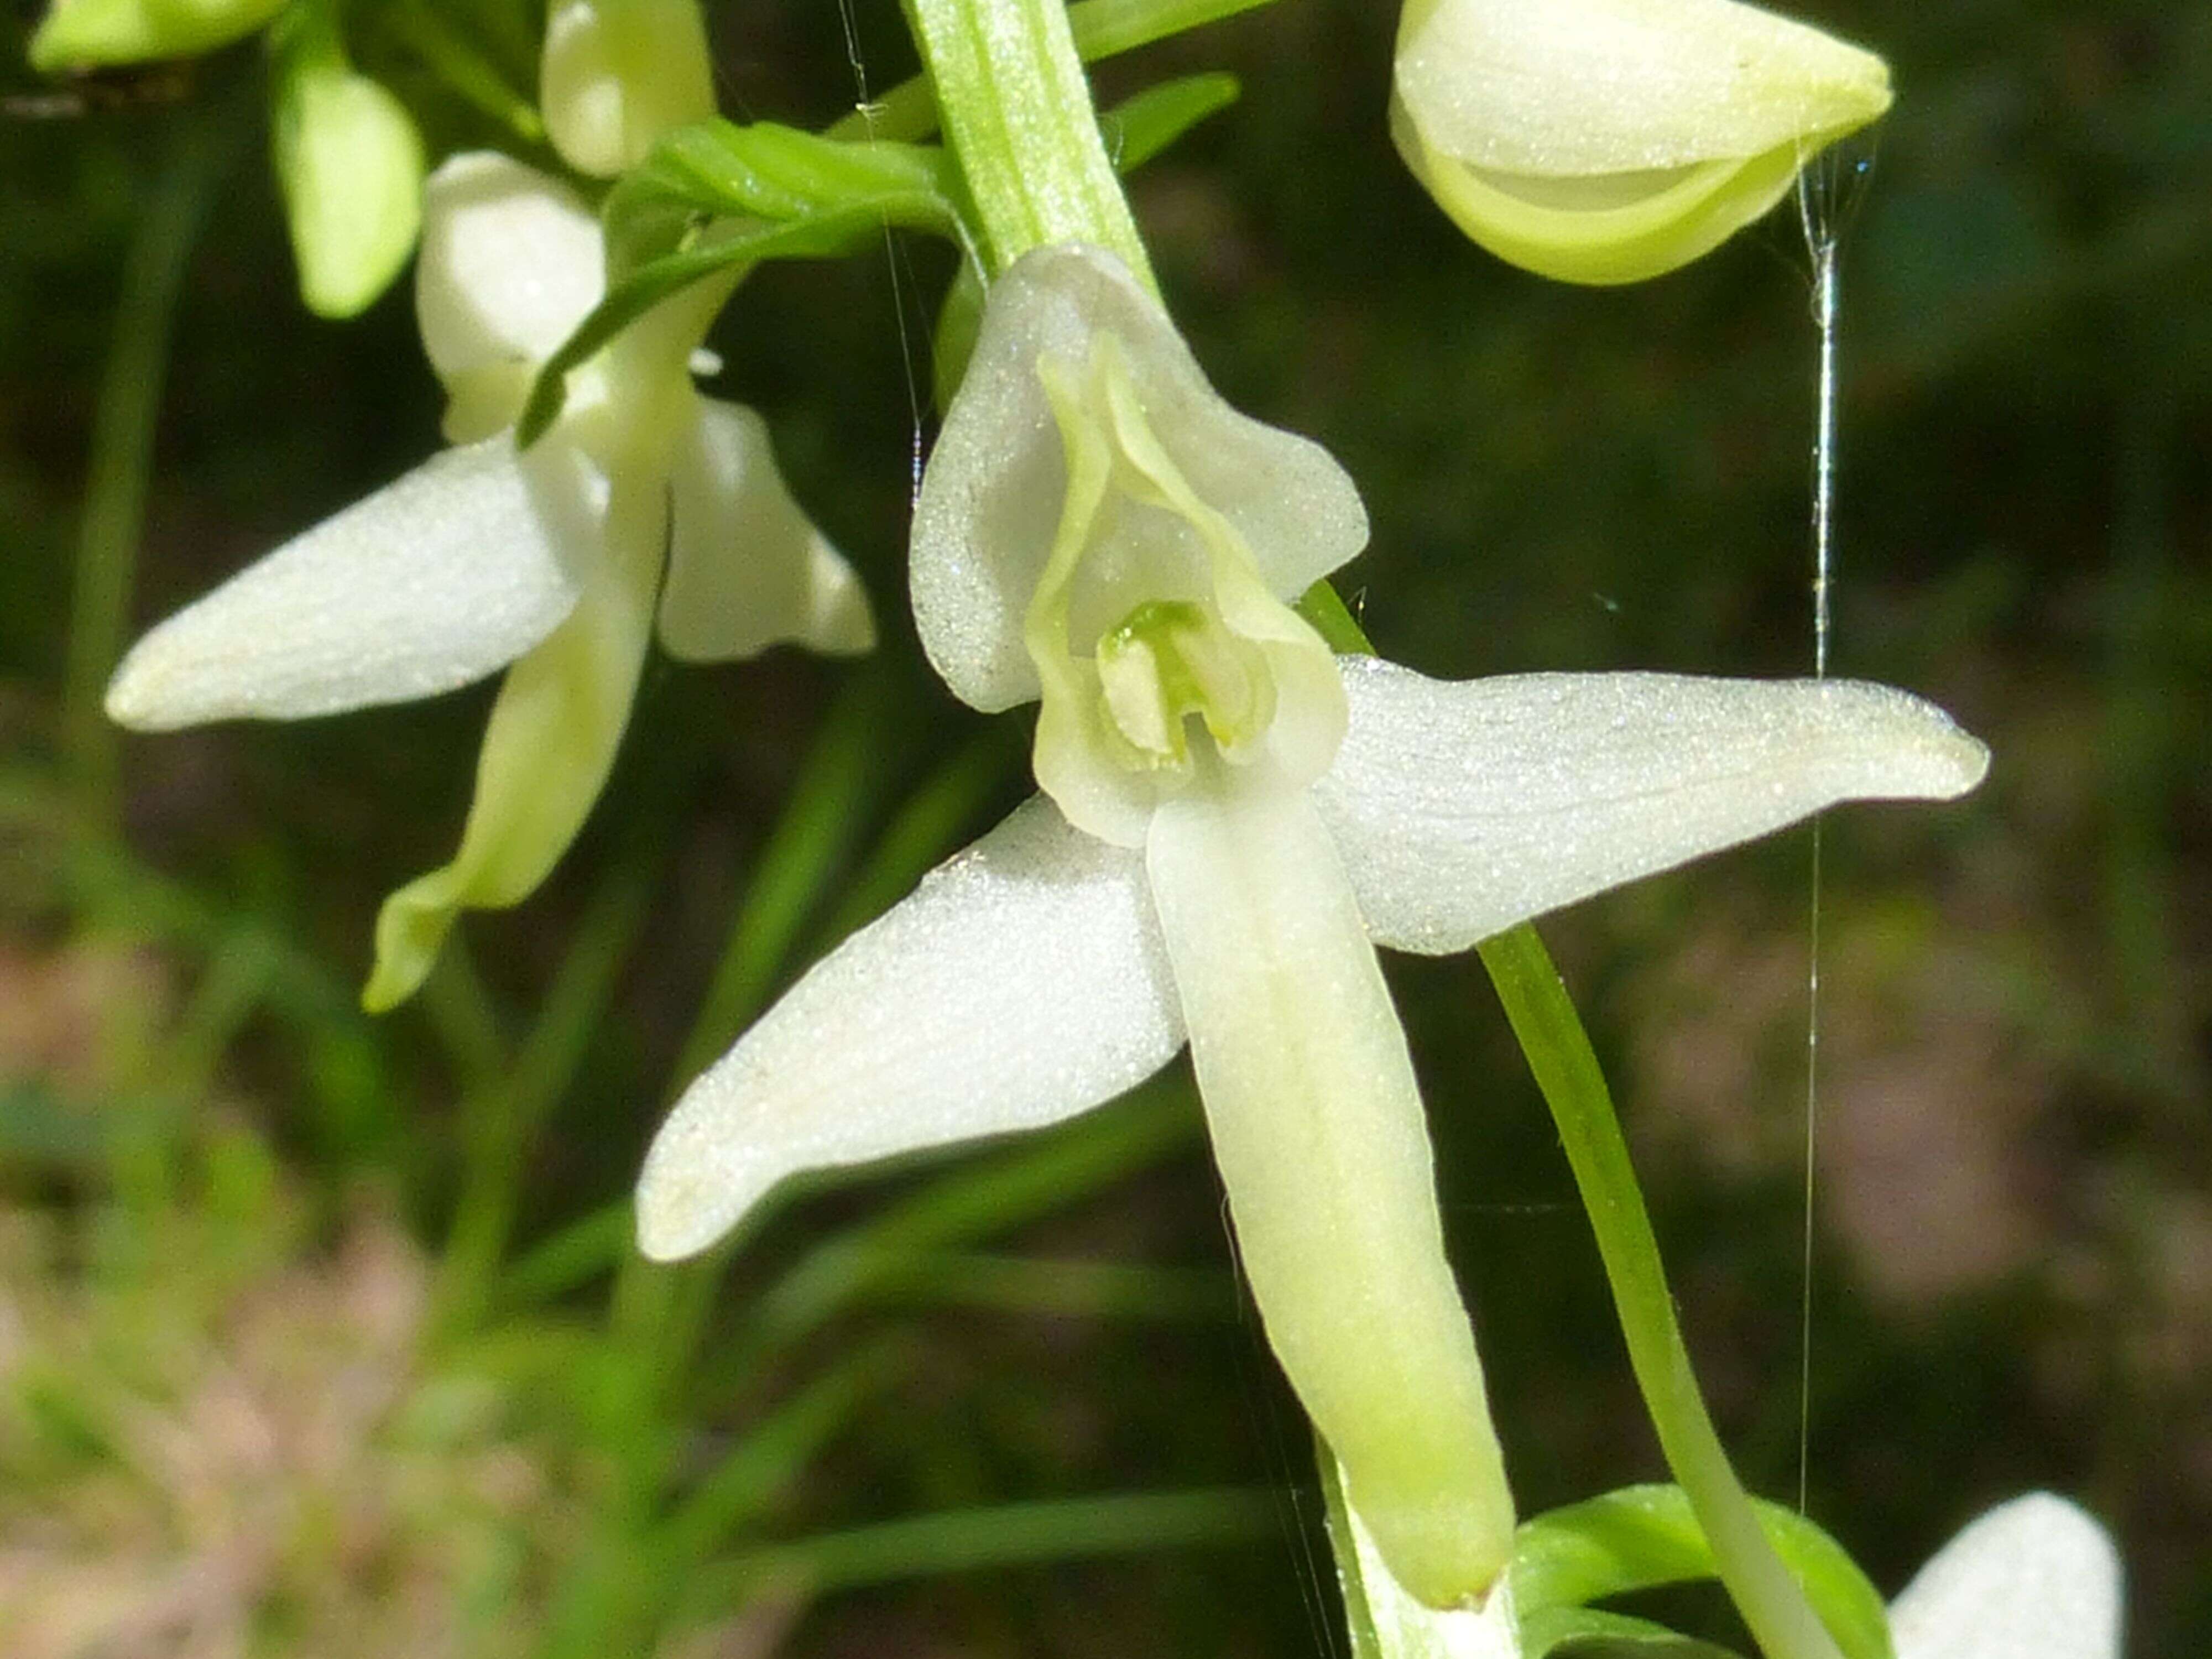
x=320 y=1335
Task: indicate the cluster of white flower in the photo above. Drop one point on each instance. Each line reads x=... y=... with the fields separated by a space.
x=1232 y=816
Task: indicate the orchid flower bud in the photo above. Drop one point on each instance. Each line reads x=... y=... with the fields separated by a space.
x=1608 y=141
x=350 y=162
x=617 y=74
x=87 y=33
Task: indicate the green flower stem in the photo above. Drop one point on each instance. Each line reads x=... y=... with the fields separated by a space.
x=1018 y=111
x=1366 y=1642
x=124 y=422
x=1101 y=28
x=1551 y=1035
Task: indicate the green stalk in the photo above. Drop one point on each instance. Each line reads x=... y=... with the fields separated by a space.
x=124 y=422
x=1018 y=111
x=1551 y=1035
x=1101 y=29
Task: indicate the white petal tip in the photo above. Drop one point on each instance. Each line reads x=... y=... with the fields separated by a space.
x=132 y=701
x=2038 y=1575
x=707 y=1168
x=2045 y=1525
x=717 y=1156
x=677 y=1218
x=1916 y=751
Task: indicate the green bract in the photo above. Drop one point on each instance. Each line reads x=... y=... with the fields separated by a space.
x=1608 y=141
x=85 y=34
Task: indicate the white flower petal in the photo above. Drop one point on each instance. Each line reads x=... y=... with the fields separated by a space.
x=510 y=263
x=1323 y=1147
x=1573 y=88
x=991 y=498
x=1021 y=983
x=2035 y=1578
x=429 y=583
x=1463 y=808
x=746 y=567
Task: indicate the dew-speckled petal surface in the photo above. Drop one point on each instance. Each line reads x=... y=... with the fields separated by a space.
x=431 y=582
x=1464 y=807
x=1323 y=1148
x=2035 y=1578
x=991 y=497
x=1571 y=88
x=1022 y=982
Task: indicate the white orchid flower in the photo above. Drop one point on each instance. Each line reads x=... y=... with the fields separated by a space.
x=2034 y=1578
x=1608 y=141
x=1232 y=819
x=645 y=497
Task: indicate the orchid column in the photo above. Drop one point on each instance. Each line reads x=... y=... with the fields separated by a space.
x=1311 y=1098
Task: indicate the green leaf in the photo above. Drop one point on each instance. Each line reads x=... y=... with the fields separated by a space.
x=1105 y=28
x=1640 y=1536
x=770 y=1456
x=1139 y=128
x=719 y=197
x=1586 y=1630
x=1101 y=28
x=719 y=169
